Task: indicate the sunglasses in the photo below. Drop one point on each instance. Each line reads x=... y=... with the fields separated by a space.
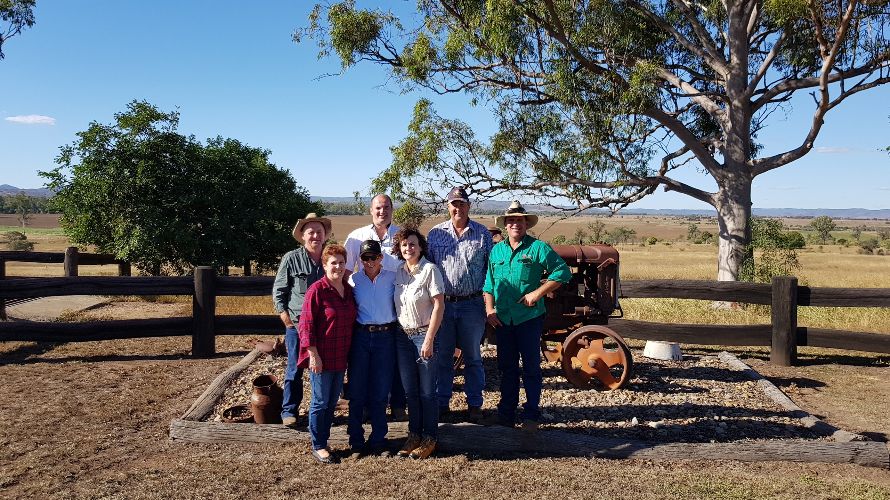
x=368 y=258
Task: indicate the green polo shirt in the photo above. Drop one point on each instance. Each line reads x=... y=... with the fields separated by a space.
x=514 y=273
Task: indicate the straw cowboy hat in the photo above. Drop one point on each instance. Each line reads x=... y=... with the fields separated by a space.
x=517 y=210
x=311 y=217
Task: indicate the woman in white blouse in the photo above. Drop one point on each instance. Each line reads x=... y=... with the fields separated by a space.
x=420 y=303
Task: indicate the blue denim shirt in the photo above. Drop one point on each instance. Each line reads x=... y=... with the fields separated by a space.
x=295 y=273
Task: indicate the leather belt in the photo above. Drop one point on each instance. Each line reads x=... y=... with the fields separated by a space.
x=412 y=331
x=378 y=328
x=458 y=298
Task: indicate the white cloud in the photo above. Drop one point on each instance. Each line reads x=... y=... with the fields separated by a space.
x=833 y=150
x=32 y=119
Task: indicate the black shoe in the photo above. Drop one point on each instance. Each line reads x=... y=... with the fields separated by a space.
x=379 y=451
x=474 y=415
x=398 y=414
x=330 y=459
x=444 y=412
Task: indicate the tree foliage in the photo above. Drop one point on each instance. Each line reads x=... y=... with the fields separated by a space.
x=15 y=16
x=138 y=189
x=823 y=225
x=410 y=214
x=600 y=102
x=774 y=256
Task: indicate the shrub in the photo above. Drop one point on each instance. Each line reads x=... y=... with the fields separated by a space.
x=559 y=239
x=841 y=241
x=651 y=240
x=793 y=240
x=13 y=236
x=20 y=245
x=868 y=244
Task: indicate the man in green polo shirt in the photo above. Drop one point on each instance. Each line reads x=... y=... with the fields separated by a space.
x=514 y=291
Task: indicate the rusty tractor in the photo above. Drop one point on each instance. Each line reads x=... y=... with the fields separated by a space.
x=592 y=355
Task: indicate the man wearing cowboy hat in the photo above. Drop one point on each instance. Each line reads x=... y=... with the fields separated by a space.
x=514 y=306
x=460 y=247
x=298 y=269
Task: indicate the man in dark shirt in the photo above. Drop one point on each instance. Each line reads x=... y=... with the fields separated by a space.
x=298 y=269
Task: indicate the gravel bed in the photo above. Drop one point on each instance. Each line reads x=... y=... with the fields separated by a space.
x=698 y=399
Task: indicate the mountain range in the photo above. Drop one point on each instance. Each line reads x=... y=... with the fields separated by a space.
x=498 y=207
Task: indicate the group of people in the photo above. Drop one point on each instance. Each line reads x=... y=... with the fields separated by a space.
x=387 y=310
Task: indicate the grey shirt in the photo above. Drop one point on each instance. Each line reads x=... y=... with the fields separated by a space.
x=295 y=273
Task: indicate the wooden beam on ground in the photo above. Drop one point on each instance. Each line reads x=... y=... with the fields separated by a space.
x=503 y=442
x=203 y=406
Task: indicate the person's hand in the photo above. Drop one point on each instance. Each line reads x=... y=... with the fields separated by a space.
x=492 y=319
x=315 y=363
x=530 y=299
x=285 y=318
x=426 y=350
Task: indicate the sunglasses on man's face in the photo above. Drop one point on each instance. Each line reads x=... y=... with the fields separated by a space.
x=369 y=258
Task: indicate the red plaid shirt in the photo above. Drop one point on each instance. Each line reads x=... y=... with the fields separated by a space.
x=326 y=323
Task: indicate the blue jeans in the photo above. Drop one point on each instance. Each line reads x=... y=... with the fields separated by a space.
x=326 y=387
x=463 y=326
x=293 y=376
x=419 y=380
x=514 y=341
x=372 y=358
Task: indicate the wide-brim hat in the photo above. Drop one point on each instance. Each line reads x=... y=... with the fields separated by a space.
x=311 y=217
x=517 y=210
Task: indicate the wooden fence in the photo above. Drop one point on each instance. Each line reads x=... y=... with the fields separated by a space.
x=71 y=259
x=783 y=335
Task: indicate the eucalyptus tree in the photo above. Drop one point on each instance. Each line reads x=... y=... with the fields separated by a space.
x=602 y=102
x=15 y=15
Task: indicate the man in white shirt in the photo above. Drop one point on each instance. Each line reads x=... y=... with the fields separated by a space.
x=381 y=229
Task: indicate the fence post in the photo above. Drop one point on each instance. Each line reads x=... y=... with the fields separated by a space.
x=71 y=258
x=783 y=351
x=123 y=269
x=203 y=312
x=3 y=301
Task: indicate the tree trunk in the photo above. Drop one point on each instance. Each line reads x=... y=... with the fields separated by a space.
x=733 y=203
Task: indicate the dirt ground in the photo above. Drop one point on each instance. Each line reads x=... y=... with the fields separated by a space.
x=89 y=420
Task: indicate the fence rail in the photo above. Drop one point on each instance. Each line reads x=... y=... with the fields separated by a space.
x=782 y=335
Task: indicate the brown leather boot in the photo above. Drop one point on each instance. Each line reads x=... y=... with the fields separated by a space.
x=426 y=448
x=412 y=442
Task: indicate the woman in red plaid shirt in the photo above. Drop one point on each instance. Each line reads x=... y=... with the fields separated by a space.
x=329 y=312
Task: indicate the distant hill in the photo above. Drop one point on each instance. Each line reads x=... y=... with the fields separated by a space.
x=6 y=189
x=498 y=207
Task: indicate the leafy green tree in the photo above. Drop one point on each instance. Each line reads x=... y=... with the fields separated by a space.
x=823 y=225
x=596 y=230
x=579 y=238
x=23 y=207
x=793 y=240
x=15 y=15
x=599 y=102
x=774 y=257
x=410 y=214
x=621 y=234
x=692 y=232
x=141 y=191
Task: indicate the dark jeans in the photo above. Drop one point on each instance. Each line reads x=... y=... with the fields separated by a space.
x=293 y=376
x=463 y=326
x=397 y=392
x=515 y=341
x=419 y=380
x=372 y=358
x=326 y=388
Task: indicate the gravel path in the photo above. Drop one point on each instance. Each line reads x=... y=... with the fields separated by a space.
x=698 y=399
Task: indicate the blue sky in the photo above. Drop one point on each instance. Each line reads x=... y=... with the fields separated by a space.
x=232 y=70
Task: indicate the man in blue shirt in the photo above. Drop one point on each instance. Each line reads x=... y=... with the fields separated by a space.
x=460 y=247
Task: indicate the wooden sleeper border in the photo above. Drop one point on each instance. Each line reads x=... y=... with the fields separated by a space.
x=471 y=438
